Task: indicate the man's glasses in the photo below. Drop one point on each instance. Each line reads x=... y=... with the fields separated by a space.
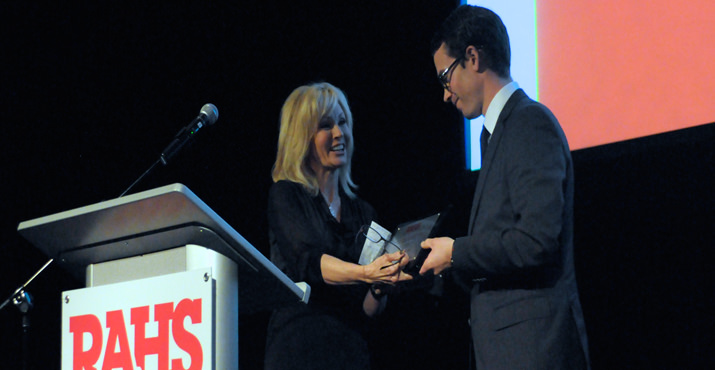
x=446 y=76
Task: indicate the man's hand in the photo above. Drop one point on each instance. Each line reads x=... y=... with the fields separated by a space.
x=440 y=257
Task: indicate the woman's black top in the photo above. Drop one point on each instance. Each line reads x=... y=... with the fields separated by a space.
x=328 y=332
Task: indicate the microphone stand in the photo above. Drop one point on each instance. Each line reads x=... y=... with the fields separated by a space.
x=207 y=117
x=23 y=301
x=141 y=177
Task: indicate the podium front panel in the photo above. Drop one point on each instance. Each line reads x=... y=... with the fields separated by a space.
x=153 y=323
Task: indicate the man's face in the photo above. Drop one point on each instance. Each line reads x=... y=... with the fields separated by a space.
x=461 y=83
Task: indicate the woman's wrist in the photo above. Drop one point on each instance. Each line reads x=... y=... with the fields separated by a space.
x=363 y=274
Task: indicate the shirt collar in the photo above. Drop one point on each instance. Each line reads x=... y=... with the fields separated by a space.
x=497 y=104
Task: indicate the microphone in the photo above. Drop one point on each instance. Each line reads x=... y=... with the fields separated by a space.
x=208 y=116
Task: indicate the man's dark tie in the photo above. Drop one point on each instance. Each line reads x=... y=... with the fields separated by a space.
x=484 y=141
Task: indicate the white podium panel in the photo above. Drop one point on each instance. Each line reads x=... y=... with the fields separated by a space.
x=164 y=322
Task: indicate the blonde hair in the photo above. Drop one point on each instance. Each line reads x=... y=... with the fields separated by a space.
x=300 y=116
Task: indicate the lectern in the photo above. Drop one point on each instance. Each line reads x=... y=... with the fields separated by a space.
x=166 y=278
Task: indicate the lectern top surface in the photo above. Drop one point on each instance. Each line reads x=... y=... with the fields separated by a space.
x=151 y=221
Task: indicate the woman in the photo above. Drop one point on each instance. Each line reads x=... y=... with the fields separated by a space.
x=314 y=229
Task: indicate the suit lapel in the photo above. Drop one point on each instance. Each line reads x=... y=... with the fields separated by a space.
x=488 y=157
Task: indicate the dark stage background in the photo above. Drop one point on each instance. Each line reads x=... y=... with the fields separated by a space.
x=93 y=91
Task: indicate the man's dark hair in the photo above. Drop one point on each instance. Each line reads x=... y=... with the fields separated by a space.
x=480 y=27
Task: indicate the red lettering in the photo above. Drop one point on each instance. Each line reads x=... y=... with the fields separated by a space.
x=184 y=339
x=79 y=325
x=158 y=345
x=117 y=335
x=118 y=354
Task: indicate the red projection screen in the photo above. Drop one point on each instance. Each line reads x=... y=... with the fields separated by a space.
x=611 y=70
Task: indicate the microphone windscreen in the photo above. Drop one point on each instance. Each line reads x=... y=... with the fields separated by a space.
x=211 y=113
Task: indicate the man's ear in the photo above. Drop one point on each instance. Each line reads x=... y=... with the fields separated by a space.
x=475 y=59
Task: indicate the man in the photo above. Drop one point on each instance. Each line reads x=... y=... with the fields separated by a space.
x=517 y=258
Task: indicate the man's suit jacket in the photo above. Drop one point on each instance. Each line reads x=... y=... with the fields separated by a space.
x=518 y=255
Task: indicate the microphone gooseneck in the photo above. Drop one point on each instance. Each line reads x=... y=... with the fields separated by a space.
x=207 y=117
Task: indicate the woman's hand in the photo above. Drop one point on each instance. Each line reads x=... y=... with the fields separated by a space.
x=387 y=269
